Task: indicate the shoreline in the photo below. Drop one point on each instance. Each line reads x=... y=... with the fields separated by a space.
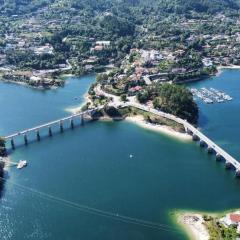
x=193 y=224
x=74 y=110
x=7 y=163
x=221 y=68
x=139 y=120
x=217 y=73
x=29 y=86
x=229 y=67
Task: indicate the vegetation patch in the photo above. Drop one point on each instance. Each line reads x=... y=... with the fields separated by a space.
x=217 y=231
x=151 y=118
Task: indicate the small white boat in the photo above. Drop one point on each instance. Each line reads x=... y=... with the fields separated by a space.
x=21 y=164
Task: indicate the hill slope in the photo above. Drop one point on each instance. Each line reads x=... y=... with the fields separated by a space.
x=179 y=6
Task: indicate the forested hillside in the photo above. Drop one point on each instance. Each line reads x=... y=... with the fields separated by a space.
x=184 y=39
x=169 y=6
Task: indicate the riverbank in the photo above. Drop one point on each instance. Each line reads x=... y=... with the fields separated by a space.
x=217 y=73
x=139 y=120
x=75 y=110
x=7 y=163
x=221 y=68
x=229 y=67
x=25 y=84
x=193 y=224
x=205 y=226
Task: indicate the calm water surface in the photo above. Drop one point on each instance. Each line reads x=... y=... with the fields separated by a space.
x=91 y=166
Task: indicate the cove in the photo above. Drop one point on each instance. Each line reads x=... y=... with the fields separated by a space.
x=91 y=166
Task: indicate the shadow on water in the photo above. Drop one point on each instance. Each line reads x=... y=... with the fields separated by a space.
x=203 y=120
x=3 y=177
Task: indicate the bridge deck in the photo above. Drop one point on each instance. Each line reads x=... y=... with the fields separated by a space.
x=195 y=131
x=187 y=125
x=48 y=124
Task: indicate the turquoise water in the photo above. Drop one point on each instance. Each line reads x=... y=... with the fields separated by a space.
x=91 y=166
x=220 y=121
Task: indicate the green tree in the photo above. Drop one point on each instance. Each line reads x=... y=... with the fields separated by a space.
x=124 y=97
x=176 y=100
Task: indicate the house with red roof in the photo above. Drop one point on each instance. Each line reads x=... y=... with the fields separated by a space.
x=134 y=90
x=232 y=219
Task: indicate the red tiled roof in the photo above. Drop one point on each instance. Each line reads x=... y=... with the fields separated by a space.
x=135 y=89
x=235 y=218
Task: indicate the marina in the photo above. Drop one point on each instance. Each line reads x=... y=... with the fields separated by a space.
x=211 y=95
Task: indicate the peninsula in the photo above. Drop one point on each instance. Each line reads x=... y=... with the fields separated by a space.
x=210 y=226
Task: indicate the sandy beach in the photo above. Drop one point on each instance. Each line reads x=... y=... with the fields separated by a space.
x=75 y=110
x=228 y=67
x=193 y=224
x=7 y=164
x=221 y=68
x=139 y=120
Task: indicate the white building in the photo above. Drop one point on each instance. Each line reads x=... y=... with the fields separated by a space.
x=47 y=49
x=103 y=43
x=207 y=62
x=232 y=219
x=152 y=55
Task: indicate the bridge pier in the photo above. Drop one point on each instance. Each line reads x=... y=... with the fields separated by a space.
x=237 y=174
x=72 y=123
x=195 y=137
x=82 y=119
x=50 y=131
x=228 y=165
x=61 y=126
x=38 y=135
x=202 y=144
x=25 y=139
x=210 y=150
x=49 y=126
x=219 y=157
x=188 y=131
x=12 y=143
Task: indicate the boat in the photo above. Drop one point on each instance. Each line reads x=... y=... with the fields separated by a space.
x=21 y=164
x=211 y=95
x=228 y=98
x=208 y=100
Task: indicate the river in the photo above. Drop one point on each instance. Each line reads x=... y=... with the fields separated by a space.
x=91 y=166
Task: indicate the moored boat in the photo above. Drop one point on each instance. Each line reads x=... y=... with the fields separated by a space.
x=21 y=164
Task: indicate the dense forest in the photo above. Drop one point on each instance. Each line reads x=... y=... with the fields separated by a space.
x=164 y=6
x=176 y=100
x=171 y=98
